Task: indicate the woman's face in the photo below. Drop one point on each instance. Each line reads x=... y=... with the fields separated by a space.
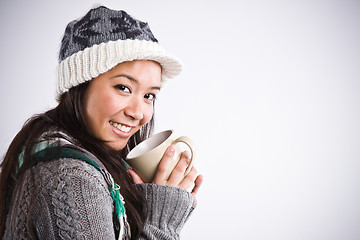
x=119 y=102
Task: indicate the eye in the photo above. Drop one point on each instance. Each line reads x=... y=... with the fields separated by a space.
x=123 y=88
x=150 y=96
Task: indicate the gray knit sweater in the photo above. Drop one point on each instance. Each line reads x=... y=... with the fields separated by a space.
x=72 y=201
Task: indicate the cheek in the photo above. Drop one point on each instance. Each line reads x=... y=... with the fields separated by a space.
x=100 y=107
x=109 y=105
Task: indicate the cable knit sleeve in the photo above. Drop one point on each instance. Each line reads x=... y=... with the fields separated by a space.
x=71 y=201
x=169 y=208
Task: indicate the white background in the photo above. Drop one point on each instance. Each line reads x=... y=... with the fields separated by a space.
x=269 y=93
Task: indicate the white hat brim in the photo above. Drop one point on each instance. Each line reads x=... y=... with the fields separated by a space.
x=97 y=59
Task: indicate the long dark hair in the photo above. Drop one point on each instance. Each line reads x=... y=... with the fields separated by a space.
x=68 y=117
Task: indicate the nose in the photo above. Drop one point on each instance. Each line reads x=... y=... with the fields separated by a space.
x=134 y=110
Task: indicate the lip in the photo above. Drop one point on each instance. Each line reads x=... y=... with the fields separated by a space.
x=119 y=132
x=124 y=124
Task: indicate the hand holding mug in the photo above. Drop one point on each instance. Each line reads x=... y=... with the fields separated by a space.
x=159 y=160
x=145 y=157
x=191 y=182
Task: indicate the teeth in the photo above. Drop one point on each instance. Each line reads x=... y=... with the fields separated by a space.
x=122 y=128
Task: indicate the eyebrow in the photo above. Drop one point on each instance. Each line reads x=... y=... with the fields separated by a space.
x=135 y=80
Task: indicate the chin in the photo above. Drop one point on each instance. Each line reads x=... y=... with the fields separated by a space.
x=118 y=148
x=117 y=145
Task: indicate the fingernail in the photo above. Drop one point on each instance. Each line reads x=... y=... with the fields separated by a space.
x=172 y=148
x=187 y=155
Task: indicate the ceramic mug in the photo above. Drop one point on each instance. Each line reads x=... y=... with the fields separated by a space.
x=146 y=156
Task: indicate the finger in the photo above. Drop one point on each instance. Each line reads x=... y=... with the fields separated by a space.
x=198 y=182
x=177 y=174
x=187 y=182
x=135 y=177
x=160 y=176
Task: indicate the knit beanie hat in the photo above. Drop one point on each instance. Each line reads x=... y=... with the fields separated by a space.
x=104 y=38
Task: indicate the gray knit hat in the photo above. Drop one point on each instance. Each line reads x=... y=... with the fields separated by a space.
x=104 y=38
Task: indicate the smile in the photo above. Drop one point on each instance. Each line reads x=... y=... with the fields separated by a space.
x=122 y=128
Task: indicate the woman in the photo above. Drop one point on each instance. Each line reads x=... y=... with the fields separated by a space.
x=63 y=176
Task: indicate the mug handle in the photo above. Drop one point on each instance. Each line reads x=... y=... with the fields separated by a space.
x=191 y=145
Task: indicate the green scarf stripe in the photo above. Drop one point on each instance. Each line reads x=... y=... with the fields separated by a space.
x=51 y=153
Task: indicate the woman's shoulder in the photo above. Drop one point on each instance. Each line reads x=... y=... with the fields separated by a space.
x=68 y=168
x=57 y=153
x=61 y=161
